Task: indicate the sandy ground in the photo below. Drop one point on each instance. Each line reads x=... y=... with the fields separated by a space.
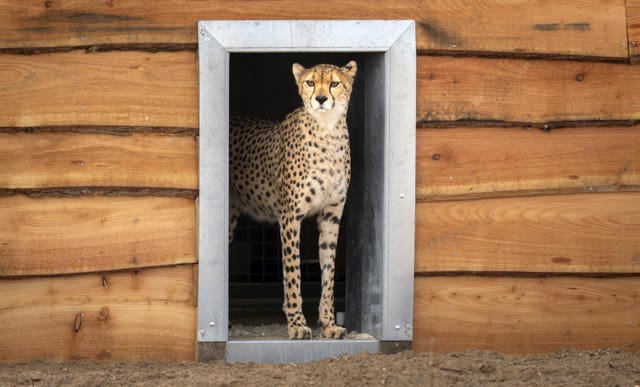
x=279 y=332
x=471 y=368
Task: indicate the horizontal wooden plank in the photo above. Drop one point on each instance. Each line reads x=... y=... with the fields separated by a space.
x=160 y=90
x=582 y=233
x=633 y=25
x=582 y=27
x=458 y=163
x=94 y=233
x=142 y=315
x=112 y=88
x=529 y=91
x=44 y=160
x=526 y=315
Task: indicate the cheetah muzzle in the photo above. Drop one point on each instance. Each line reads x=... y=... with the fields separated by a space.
x=286 y=171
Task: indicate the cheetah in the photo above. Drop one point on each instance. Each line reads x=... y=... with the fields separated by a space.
x=286 y=171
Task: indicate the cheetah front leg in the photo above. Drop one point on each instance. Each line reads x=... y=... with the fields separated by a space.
x=290 y=237
x=329 y=227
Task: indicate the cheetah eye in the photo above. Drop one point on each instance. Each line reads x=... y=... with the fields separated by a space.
x=311 y=83
x=334 y=84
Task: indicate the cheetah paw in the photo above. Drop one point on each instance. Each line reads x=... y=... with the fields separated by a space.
x=300 y=332
x=333 y=332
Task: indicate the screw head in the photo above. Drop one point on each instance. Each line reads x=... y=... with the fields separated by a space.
x=212 y=324
x=397 y=327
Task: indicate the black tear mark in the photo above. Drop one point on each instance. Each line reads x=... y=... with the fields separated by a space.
x=562 y=26
x=438 y=35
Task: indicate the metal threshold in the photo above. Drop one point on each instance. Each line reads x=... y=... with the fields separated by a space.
x=287 y=351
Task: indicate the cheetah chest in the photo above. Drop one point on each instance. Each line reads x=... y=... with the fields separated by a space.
x=328 y=175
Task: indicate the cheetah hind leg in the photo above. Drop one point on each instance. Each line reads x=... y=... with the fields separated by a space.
x=234 y=214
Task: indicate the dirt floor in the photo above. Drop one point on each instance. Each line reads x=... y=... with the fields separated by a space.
x=278 y=331
x=471 y=368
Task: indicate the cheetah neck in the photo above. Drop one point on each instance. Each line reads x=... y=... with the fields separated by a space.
x=330 y=121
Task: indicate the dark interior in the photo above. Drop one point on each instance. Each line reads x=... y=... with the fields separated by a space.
x=262 y=86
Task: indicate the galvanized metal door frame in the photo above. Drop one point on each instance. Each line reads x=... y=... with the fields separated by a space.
x=395 y=39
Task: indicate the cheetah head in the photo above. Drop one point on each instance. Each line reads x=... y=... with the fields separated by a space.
x=325 y=89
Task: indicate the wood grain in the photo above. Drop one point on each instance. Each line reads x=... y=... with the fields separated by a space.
x=88 y=234
x=526 y=315
x=112 y=88
x=160 y=90
x=44 y=160
x=515 y=90
x=458 y=163
x=633 y=25
x=142 y=315
x=582 y=233
x=594 y=28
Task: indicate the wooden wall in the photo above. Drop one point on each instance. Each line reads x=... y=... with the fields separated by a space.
x=528 y=212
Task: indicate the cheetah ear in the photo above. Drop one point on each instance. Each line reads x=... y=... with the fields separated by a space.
x=350 y=69
x=297 y=71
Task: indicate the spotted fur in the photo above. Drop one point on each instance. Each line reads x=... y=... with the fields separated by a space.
x=286 y=171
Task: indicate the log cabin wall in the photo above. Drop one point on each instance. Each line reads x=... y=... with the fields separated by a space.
x=528 y=202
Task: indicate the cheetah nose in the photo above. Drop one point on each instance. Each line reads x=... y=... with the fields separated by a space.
x=321 y=99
